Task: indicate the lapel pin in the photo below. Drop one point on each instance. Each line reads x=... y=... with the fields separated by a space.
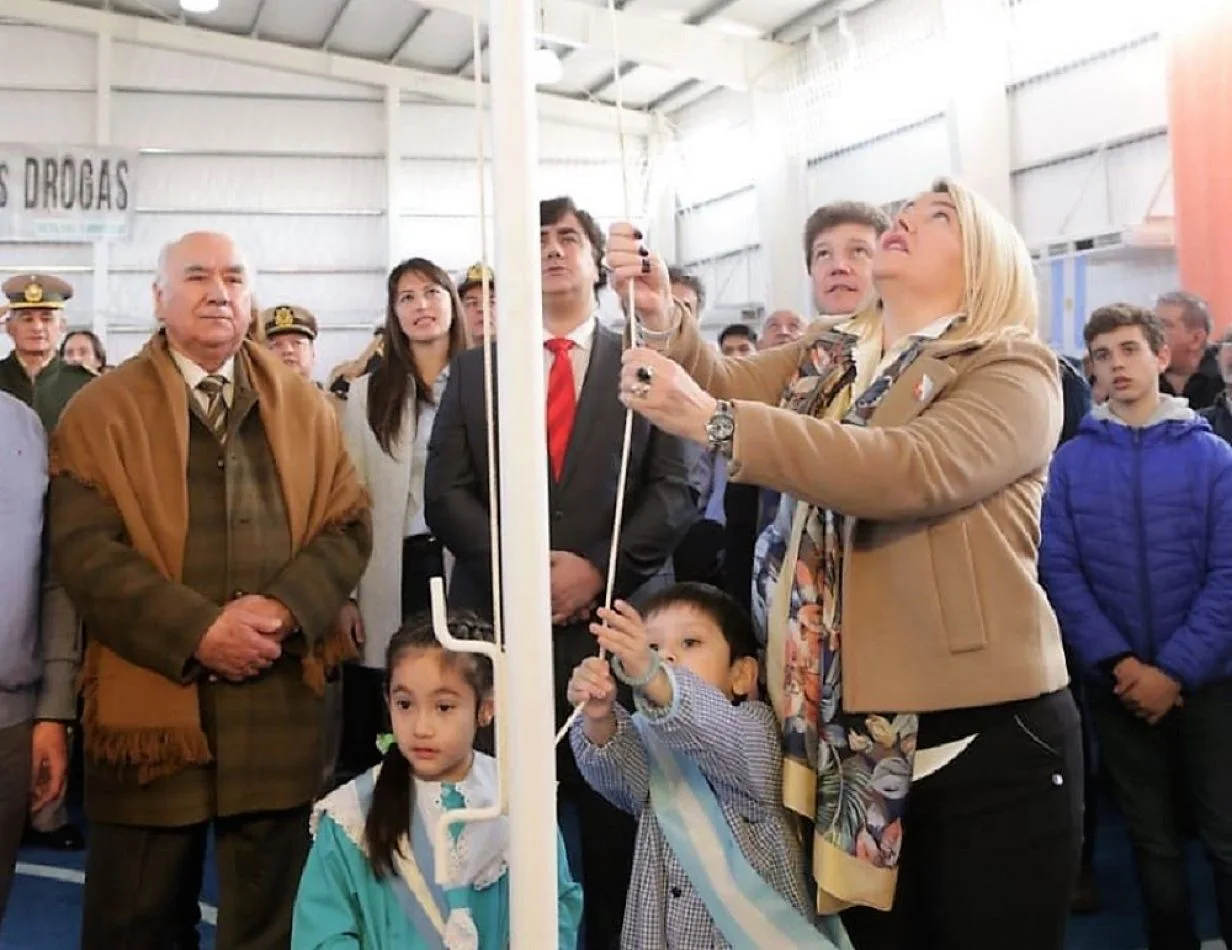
x=924 y=388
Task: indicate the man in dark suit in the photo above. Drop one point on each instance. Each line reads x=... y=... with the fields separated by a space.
x=585 y=428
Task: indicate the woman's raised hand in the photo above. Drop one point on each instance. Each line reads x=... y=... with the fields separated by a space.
x=630 y=261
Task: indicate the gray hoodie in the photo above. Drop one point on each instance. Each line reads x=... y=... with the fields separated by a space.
x=1170 y=409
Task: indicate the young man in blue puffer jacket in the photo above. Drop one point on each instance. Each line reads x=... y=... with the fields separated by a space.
x=1136 y=556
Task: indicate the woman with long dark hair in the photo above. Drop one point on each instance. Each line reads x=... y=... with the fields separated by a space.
x=387 y=423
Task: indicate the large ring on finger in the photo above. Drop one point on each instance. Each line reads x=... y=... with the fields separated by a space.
x=644 y=374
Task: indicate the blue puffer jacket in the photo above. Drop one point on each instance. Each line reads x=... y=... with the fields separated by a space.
x=1136 y=553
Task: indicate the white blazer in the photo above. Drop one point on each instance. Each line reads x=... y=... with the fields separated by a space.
x=389 y=483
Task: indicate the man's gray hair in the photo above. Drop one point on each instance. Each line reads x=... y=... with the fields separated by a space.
x=1195 y=312
x=162 y=276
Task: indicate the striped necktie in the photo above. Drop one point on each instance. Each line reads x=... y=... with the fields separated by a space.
x=215 y=406
x=562 y=402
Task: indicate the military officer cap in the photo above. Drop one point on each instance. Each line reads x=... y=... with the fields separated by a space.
x=475 y=275
x=287 y=318
x=37 y=292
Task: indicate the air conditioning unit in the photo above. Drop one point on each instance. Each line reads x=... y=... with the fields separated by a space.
x=1154 y=234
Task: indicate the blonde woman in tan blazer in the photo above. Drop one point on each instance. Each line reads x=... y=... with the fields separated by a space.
x=930 y=744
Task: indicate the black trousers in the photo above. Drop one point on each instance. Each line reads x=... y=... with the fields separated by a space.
x=991 y=841
x=364 y=715
x=599 y=842
x=142 y=884
x=1079 y=688
x=1189 y=753
x=598 y=836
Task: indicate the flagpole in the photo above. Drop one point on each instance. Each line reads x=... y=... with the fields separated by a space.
x=529 y=754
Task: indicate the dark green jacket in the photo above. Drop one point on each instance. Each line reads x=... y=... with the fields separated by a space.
x=49 y=392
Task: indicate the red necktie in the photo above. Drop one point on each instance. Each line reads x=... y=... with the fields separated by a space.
x=562 y=402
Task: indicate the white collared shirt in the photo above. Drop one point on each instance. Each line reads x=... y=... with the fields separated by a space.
x=193 y=374
x=583 y=337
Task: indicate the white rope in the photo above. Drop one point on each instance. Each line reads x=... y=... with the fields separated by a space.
x=634 y=340
x=488 y=402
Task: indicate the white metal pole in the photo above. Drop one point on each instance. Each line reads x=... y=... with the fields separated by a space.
x=393 y=174
x=101 y=256
x=530 y=753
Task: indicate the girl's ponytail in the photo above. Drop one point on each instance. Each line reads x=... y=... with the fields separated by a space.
x=389 y=817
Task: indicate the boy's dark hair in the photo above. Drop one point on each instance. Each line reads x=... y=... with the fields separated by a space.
x=678 y=275
x=393 y=798
x=841 y=212
x=1117 y=315
x=737 y=329
x=718 y=605
x=551 y=210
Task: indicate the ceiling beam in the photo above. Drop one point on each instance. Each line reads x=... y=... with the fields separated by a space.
x=799 y=26
x=695 y=51
x=333 y=24
x=708 y=12
x=254 y=30
x=405 y=39
x=310 y=62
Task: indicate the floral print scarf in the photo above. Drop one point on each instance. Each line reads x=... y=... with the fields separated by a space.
x=847 y=775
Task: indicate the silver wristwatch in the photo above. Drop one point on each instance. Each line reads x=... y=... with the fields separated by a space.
x=721 y=429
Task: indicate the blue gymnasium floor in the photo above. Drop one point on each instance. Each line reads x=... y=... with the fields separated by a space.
x=45 y=908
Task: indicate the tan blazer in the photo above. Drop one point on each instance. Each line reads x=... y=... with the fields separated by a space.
x=942 y=607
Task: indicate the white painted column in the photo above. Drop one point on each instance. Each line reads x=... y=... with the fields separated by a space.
x=977 y=55
x=393 y=175
x=102 y=136
x=782 y=203
x=530 y=765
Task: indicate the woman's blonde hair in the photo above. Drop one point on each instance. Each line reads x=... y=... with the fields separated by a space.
x=999 y=293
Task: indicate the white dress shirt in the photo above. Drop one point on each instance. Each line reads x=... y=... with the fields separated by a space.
x=193 y=374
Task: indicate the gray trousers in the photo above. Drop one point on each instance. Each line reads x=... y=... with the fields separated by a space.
x=14 y=800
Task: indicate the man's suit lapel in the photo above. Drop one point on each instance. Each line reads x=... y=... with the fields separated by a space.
x=598 y=397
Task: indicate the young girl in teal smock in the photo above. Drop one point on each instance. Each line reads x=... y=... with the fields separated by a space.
x=370 y=880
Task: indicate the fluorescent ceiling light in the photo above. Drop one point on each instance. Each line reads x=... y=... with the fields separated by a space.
x=198 y=6
x=546 y=67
